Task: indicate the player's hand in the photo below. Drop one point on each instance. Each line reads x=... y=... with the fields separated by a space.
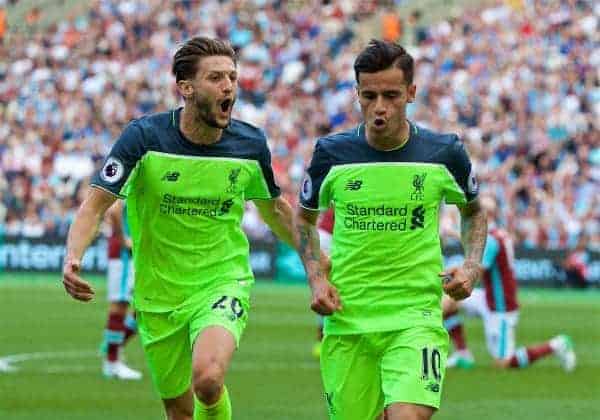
x=325 y=298
x=74 y=285
x=459 y=281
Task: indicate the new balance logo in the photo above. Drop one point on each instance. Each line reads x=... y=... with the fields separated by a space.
x=418 y=218
x=170 y=176
x=433 y=387
x=354 y=184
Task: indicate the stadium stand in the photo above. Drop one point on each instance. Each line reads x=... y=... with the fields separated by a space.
x=529 y=118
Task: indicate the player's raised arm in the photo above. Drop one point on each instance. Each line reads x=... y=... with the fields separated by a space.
x=81 y=233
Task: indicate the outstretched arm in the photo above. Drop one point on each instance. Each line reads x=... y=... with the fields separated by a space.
x=81 y=233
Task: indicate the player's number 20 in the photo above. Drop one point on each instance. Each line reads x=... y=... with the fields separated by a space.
x=234 y=304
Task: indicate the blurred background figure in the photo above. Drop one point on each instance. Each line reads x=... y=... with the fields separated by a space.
x=497 y=306
x=121 y=324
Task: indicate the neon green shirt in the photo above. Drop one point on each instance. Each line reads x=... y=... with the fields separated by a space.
x=185 y=204
x=386 y=252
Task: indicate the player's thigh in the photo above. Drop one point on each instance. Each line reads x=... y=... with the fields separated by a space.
x=212 y=353
x=400 y=411
x=167 y=348
x=413 y=366
x=475 y=305
x=227 y=307
x=217 y=326
x=119 y=280
x=500 y=333
x=349 y=368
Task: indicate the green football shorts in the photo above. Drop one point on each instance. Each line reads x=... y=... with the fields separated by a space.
x=364 y=373
x=168 y=337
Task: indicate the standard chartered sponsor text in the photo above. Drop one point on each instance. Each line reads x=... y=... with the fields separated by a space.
x=190 y=206
x=355 y=215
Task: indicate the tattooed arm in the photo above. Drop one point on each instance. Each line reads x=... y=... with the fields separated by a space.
x=473 y=234
x=325 y=298
x=473 y=231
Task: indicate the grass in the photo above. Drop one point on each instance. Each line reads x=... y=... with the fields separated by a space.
x=273 y=376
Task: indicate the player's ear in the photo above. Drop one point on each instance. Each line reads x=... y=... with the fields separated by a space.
x=185 y=88
x=411 y=93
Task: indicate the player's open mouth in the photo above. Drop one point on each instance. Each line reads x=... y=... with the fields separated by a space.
x=226 y=105
x=379 y=122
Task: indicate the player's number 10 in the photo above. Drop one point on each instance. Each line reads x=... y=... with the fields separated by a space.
x=431 y=356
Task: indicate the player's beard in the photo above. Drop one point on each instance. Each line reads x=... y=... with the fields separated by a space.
x=205 y=111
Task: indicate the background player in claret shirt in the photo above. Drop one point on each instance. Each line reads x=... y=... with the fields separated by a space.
x=385 y=347
x=186 y=174
x=121 y=325
x=496 y=304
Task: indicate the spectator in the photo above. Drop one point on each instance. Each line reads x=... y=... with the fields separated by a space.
x=518 y=83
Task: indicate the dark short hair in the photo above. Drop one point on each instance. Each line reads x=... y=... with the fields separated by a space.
x=381 y=55
x=185 y=60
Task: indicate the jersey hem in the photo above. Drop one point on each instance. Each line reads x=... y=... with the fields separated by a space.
x=308 y=208
x=263 y=198
x=327 y=331
x=100 y=187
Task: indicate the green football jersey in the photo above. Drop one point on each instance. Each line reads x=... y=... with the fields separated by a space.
x=185 y=204
x=386 y=252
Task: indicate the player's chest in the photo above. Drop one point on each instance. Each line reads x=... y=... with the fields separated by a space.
x=398 y=183
x=192 y=176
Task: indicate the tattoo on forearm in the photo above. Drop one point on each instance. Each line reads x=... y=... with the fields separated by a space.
x=308 y=246
x=473 y=234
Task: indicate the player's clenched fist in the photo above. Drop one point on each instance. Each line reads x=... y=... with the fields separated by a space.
x=459 y=281
x=325 y=298
x=74 y=284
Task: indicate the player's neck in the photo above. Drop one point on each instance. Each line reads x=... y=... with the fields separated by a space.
x=196 y=130
x=389 y=143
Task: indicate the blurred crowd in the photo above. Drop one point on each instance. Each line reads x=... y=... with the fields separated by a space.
x=518 y=82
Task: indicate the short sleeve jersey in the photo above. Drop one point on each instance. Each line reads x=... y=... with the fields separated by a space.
x=386 y=252
x=185 y=203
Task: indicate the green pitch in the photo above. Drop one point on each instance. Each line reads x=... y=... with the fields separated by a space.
x=54 y=344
